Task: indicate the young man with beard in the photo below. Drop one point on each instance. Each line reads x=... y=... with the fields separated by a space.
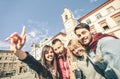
x=63 y=61
x=103 y=50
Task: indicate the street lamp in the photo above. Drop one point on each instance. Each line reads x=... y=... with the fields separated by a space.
x=35 y=45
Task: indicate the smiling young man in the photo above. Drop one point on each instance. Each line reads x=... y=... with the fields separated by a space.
x=105 y=45
x=62 y=59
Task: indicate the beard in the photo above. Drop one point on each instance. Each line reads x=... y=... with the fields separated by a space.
x=84 y=42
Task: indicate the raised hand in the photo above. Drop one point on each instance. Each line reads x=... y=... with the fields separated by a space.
x=17 y=41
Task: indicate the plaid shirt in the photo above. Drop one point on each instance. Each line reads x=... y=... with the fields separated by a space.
x=63 y=63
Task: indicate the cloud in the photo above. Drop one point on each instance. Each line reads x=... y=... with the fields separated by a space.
x=91 y=1
x=78 y=17
x=36 y=35
x=78 y=10
x=36 y=31
x=4 y=45
x=33 y=34
x=78 y=13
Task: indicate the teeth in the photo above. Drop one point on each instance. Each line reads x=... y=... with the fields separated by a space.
x=50 y=57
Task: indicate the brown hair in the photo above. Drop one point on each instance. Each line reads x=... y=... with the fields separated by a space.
x=43 y=60
x=81 y=25
x=56 y=40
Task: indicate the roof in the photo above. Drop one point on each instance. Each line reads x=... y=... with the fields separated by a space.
x=95 y=10
x=60 y=33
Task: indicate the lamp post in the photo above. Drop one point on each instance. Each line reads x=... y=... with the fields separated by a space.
x=35 y=45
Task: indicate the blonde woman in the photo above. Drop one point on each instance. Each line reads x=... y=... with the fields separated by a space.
x=81 y=62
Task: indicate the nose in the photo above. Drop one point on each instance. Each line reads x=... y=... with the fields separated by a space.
x=76 y=51
x=56 y=51
x=82 y=36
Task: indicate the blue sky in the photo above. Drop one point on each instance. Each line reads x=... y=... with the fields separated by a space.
x=42 y=18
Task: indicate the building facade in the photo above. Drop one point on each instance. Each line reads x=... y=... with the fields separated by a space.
x=9 y=63
x=105 y=18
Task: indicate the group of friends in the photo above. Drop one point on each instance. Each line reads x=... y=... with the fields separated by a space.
x=91 y=56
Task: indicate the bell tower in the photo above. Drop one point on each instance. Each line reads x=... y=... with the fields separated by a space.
x=69 y=23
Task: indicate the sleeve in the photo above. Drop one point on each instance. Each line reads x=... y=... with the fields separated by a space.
x=36 y=65
x=108 y=48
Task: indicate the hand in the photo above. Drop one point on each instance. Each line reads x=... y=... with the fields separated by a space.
x=17 y=41
x=98 y=58
x=74 y=66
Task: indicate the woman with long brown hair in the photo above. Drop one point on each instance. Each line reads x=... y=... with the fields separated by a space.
x=49 y=62
x=46 y=68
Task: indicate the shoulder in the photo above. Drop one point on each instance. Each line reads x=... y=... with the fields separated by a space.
x=108 y=39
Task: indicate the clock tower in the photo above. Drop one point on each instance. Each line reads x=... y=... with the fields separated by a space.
x=69 y=23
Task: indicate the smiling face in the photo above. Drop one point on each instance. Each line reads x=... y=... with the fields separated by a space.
x=58 y=48
x=49 y=56
x=76 y=48
x=77 y=51
x=84 y=36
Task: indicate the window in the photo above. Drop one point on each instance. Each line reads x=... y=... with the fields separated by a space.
x=5 y=64
x=5 y=58
x=0 y=65
x=0 y=58
x=116 y=17
x=66 y=17
x=98 y=16
x=110 y=9
x=88 y=21
x=92 y=29
x=104 y=25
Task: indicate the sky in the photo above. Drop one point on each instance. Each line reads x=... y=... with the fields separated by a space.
x=42 y=18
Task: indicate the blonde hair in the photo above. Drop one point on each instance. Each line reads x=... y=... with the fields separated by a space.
x=74 y=44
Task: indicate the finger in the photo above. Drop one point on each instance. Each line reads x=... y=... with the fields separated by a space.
x=12 y=43
x=23 y=31
x=8 y=38
x=13 y=36
x=24 y=39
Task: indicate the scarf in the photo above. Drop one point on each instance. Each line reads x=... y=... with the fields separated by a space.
x=96 y=38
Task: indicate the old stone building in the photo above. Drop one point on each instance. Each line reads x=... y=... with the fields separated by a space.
x=105 y=18
x=9 y=63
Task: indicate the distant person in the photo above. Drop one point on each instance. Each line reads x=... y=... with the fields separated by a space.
x=46 y=67
x=81 y=62
x=104 y=45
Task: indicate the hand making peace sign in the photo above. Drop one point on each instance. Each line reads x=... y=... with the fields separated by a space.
x=17 y=41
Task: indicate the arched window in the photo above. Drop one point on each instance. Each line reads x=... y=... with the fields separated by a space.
x=66 y=17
